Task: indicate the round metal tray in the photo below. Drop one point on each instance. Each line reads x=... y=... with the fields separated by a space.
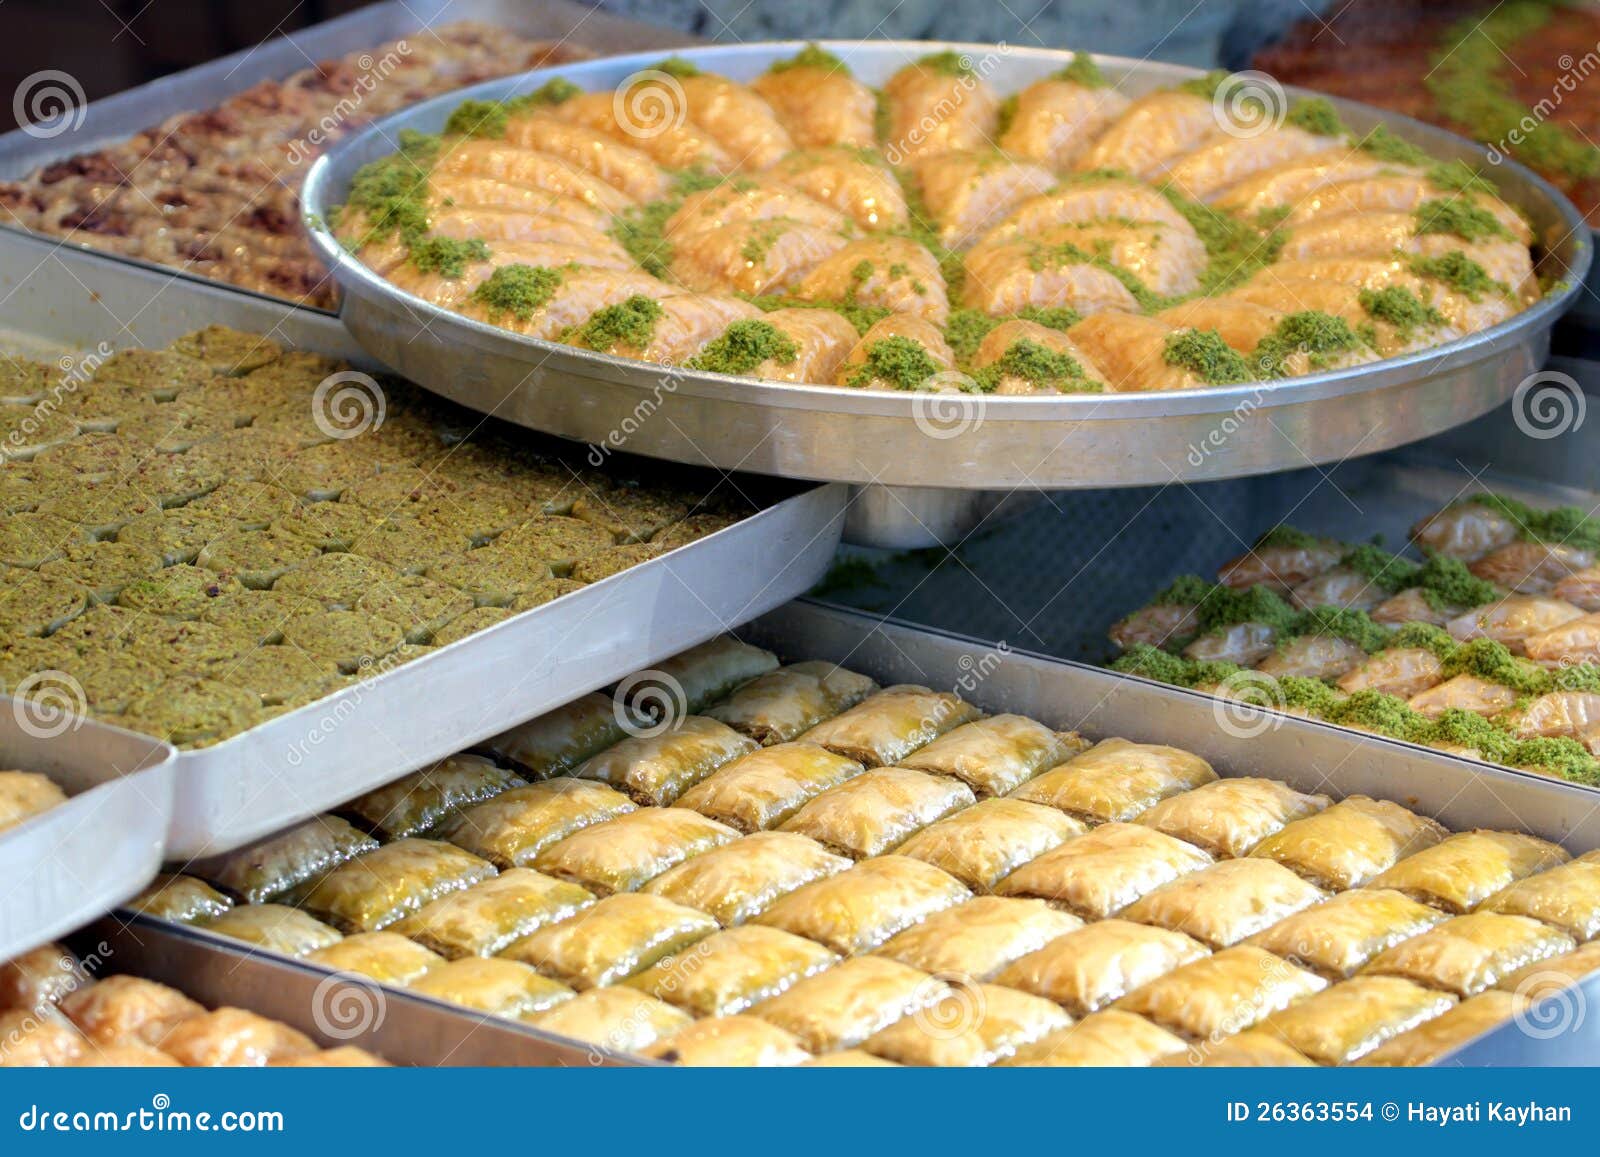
x=941 y=442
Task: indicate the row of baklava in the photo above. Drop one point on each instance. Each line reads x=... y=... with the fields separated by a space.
x=1489 y=648
x=1069 y=240
x=55 y=1014
x=200 y=538
x=800 y=864
x=216 y=192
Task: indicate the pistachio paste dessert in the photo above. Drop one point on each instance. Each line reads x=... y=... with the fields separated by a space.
x=1487 y=646
x=192 y=543
x=806 y=228
x=758 y=885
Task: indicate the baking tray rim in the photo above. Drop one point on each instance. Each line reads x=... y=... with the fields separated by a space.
x=325 y=179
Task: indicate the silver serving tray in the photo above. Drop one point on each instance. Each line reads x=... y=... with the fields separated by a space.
x=1310 y=756
x=871 y=437
x=82 y=858
x=300 y=763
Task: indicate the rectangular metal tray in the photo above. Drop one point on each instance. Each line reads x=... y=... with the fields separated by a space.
x=300 y=763
x=82 y=858
x=1310 y=756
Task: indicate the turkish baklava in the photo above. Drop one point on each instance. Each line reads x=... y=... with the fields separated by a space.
x=780 y=705
x=505 y=988
x=1109 y=1039
x=886 y=727
x=25 y=794
x=738 y=881
x=275 y=927
x=875 y=812
x=655 y=770
x=513 y=828
x=730 y=1042
x=414 y=803
x=1342 y=934
x=380 y=888
x=1351 y=842
x=1099 y=963
x=283 y=862
x=983 y=844
x=1459 y=873
x=1116 y=780
x=387 y=957
x=1104 y=871
x=485 y=918
x=556 y=742
x=1349 y=1020
x=765 y=788
x=972 y=1025
x=979 y=938
x=996 y=755
x=1222 y=994
x=727 y=972
x=840 y=1008
x=857 y=910
x=1468 y=954
x=624 y=853
x=611 y=940
x=1223 y=904
x=1231 y=816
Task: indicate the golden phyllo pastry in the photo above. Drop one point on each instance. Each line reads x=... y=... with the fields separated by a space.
x=970 y=1026
x=979 y=938
x=182 y=899
x=1109 y=1039
x=890 y=725
x=414 y=803
x=275 y=865
x=704 y=674
x=128 y=1010
x=488 y=916
x=1337 y=937
x=1223 y=904
x=727 y=972
x=983 y=844
x=657 y=769
x=383 y=887
x=1461 y=872
x=730 y=1042
x=624 y=853
x=234 y=1038
x=560 y=740
x=1351 y=842
x=875 y=812
x=614 y=939
x=1104 y=871
x=1471 y=953
x=1246 y=1050
x=387 y=957
x=1100 y=963
x=1221 y=994
x=24 y=794
x=513 y=828
x=1349 y=1020
x=1116 y=780
x=763 y=789
x=740 y=880
x=1567 y=897
x=275 y=927
x=843 y=1006
x=622 y=1020
x=40 y=978
x=996 y=755
x=778 y=706
x=1434 y=1039
x=492 y=985
x=855 y=911
x=1555 y=972
x=1231 y=816
x=33 y=1042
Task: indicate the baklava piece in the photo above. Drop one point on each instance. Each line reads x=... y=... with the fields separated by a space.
x=25 y=794
x=40 y=978
x=983 y=844
x=657 y=769
x=383 y=887
x=1349 y=1020
x=709 y=672
x=996 y=755
x=1218 y=995
x=233 y=1038
x=728 y=972
x=513 y=828
x=1435 y=1038
x=275 y=927
x=979 y=938
x=878 y=810
x=842 y=1007
x=622 y=854
x=855 y=911
x=34 y=1042
x=488 y=916
x=128 y=1010
x=971 y=1026
x=1231 y=816
x=1337 y=937
x=1246 y=1050
x=1104 y=871
x=386 y=957
x=181 y=899
x=623 y=1020
x=1116 y=780
x=763 y=789
x=414 y=803
x=1567 y=898
x=555 y=743
x=740 y=880
x=1459 y=873
x=1351 y=842
x=1470 y=953
x=612 y=940
x=1223 y=904
x=275 y=865
x=745 y=1042
x=1109 y=1039
x=505 y=988
x=1100 y=963
x=887 y=727
x=1544 y=976
x=776 y=707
